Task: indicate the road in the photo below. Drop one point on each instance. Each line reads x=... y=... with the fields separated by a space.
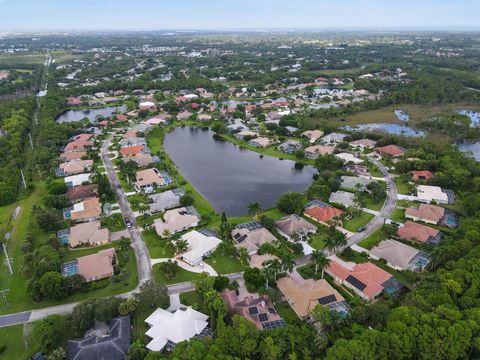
x=141 y=251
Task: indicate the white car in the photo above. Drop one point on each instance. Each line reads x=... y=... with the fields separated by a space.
x=200 y=265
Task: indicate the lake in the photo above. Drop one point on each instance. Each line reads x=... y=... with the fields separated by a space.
x=472 y=147
x=388 y=128
x=91 y=114
x=230 y=177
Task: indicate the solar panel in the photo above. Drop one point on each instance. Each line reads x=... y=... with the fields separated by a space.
x=263 y=317
x=242 y=238
x=272 y=310
x=355 y=282
x=273 y=324
x=250 y=226
x=253 y=310
x=327 y=299
x=236 y=236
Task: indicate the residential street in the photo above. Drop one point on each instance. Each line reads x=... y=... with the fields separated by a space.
x=141 y=251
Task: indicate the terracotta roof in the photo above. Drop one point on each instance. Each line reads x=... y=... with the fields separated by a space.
x=421 y=175
x=88 y=208
x=320 y=149
x=75 y=167
x=132 y=150
x=323 y=214
x=82 y=192
x=78 y=145
x=364 y=142
x=148 y=177
x=75 y=155
x=428 y=212
x=313 y=134
x=96 y=266
x=392 y=150
x=419 y=232
x=89 y=233
x=82 y=137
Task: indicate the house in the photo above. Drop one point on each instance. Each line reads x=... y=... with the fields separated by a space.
x=258 y=309
x=89 y=233
x=147 y=180
x=353 y=182
x=147 y=105
x=133 y=141
x=132 y=150
x=165 y=200
x=251 y=236
x=313 y=135
x=257 y=261
x=348 y=158
x=245 y=134
x=428 y=194
x=399 y=256
x=162 y=119
x=121 y=117
x=73 y=101
x=344 y=198
x=88 y=210
x=184 y=115
x=304 y=294
x=430 y=214
x=81 y=137
x=358 y=170
x=363 y=144
x=312 y=152
x=108 y=343
x=333 y=138
x=92 y=267
x=177 y=220
x=167 y=329
x=77 y=180
x=290 y=146
x=81 y=193
x=418 y=232
x=200 y=245
x=78 y=145
x=366 y=279
x=73 y=155
x=421 y=175
x=261 y=142
x=204 y=118
x=74 y=167
x=323 y=215
x=390 y=150
x=142 y=160
x=293 y=225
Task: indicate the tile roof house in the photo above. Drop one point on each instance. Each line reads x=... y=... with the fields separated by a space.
x=351 y=182
x=133 y=141
x=141 y=159
x=177 y=220
x=293 y=224
x=258 y=309
x=261 y=142
x=199 y=246
x=73 y=156
x=323 y=215
x=78 y=145
x=167 y=329
x=165 y=200
x=184 y=115
x=81 y=137
x=399 y=256
x=81 y=193
x=96 y=266
x=366 y=279
x=304 y=294
x=333 y=138
x=313 y=152
x=242 y=134
x=391 y=150
x=147 y=180
x=251 y=236
x=257 y=261
x=349 y=158
x=290 y=146
x=88 y=210
x=74 y=167
x=112 y=345
x=313 y=135
x=132 y=150
x=344 y=198
x=89 y=233
x=430 y=214
x=420 y=233
x=363 y=144
x=421 y=175
x=77 y=180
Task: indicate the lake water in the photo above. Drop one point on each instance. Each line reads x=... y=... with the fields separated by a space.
x=91 y=114
x=401 y=115
x=473 y=147
x=388 y=128
x=230 y=177
x=474 y=116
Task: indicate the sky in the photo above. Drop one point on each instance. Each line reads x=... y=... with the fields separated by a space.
x=26 y=15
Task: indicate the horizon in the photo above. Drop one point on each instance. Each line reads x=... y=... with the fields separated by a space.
x=244 y=15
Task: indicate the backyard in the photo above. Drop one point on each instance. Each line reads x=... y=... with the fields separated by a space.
x=357 y=222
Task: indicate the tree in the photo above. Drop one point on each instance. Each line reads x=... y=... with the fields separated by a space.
x=54 y=286
x=254 y=278
x=137 y=351
x=168 y=268
x=334 y=239
x=128 y=307
x=49 y=331
x=254 y=208
x=275 y=265
x=186 y=200
x=291 y=203
x=181 y=245
x=320 y=261
x=153 y=295
x=83 y=317
x=107 y=308
x=57 y=354
x=288 y=262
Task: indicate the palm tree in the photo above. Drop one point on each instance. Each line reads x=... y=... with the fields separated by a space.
x=288 y=262
x=181 y=245
x=267 y=272
x=275 y=265
x=254 y=208
x=320 y=261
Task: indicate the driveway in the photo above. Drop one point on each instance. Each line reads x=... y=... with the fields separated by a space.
x=141 y=251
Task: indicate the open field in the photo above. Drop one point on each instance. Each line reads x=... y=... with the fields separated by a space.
x=18 y=345
x=224 y=264
x=359 y=221
x=372 y=240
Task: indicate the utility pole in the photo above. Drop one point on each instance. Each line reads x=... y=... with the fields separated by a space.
x=23 y=179
x=30 y=138
x=7 y=259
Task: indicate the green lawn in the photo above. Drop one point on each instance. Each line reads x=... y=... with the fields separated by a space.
x=372 y=240
x=274 y=213
x=139 y=325
x=182 y=276
x=355 y=223
x=157 y=247
x=72 y=254
x=370 y=204
x=286 y=312
x=113 y=222
x=398 y=215
x=224 y=264
x=402 y=187
x=318 y=241
x=17 y=346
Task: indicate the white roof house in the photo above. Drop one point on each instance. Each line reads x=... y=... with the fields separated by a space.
x=349 y=158
x=77 y=180
x=427 y=193
x=333 y=138
x=168 y=329
x=199 y=245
